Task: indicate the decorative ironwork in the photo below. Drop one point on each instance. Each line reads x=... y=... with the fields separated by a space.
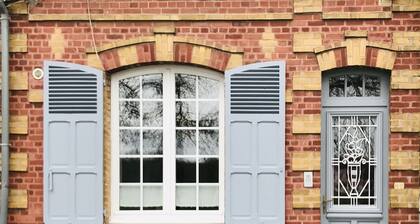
x=354 y=160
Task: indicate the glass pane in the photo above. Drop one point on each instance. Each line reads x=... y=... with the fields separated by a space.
x=130 y=170
x=337 y=86
x=186 y=198
x=152 y=170
x=129 y=197
x=185 y=142
x=185 y=86
x=372 y=86
x=129 y=88
x=209 y=142
x=152 y=86
x=153 y=142
x=152 y=114
x=129 y=114
x=354 y=85
x=208 y=114
x=208 y=198
x=185 y=114
x=186 y=170
x=129 y=142
x=152 y=198
x=209 y=170
x=207 y=88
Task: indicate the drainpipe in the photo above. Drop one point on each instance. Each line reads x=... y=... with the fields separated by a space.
x=4 y=111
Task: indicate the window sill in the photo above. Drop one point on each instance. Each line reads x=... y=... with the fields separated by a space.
x=166 y=219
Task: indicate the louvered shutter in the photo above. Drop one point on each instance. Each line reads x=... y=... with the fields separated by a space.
x=255 y=144
x=73 y=139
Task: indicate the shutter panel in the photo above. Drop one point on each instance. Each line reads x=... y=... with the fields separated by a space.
x=73 y=139
x=255 y=144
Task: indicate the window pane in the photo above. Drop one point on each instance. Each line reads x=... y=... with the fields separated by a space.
x=209 y=170
x=130 y=170
x=185 y=142
x=129 y=88
x=129 y=197
x=372 y=86
x=209 y=142
x=208 y=198
x=186 y=198
x=208 y=114
x=152 y=114
x=152 y=170
x=129 y=142
x=129 y=114
x=152 y=198
x=152 y=86
x=153 y=142
x=354 y=85
x=186 y=170
x=337 y=86
x=185 y=114
x=207 y=88
x=185 y=86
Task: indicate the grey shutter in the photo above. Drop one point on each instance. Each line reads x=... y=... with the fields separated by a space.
x=73 y=139
x=255 y=144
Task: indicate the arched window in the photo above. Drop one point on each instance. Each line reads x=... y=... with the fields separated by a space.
x=167 y=145
x=354 y=144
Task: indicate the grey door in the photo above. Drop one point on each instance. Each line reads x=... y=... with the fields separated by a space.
x=255 y=144
x=354 y=146
x=73 y=139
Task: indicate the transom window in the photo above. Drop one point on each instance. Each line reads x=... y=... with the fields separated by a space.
x=167 y=128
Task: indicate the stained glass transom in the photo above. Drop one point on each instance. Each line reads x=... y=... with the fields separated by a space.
x=354 y=160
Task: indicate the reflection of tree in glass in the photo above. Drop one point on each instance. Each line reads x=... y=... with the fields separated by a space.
x=129 y=88
x=209 y=142
x=185 y=114
x=152 y=114
x=337 y=86
x=129 y=113
x=209 y=120
x=129 y=142
x=152 y=142
x=354 y=85
x=185 y=142
x=372 y=86
x=152 y=86
x=184 y=86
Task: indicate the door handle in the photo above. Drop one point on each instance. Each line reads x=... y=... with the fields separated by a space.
x=324 y=203
x=50 y=180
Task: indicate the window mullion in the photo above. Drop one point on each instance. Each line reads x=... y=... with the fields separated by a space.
x=169 y=141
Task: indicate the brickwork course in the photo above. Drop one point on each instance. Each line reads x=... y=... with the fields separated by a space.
x=311 y=36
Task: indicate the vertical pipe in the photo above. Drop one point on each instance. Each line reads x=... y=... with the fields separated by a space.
x=4 y=112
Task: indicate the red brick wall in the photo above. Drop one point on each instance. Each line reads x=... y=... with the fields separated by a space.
x=244 y=34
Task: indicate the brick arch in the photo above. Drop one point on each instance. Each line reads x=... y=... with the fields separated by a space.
x=356 y=51
x=164 y=48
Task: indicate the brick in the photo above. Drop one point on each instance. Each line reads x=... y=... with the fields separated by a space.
x=18 y=162
x=405 y=160
x=356 y=15
x=18 y=198
x=307 y=80
x=385 y=59
x=57 y=43
x=305 y=6
x=20 y=8
x=326 y=60
x=306 y=42
x=289 y=95
x=355 y=33
x=17 y=80
x=201 y=55
x=356 y=51
x=307 y=124
x=306 y=198
x=405 y=79
x=405 y=122
x=306 y=161
x=127 y=55
x=235 y=60
x=404 y=198
x=406 y=41
x=268 y=42
x=36 y=95
x=406 y=5
x=94 y=61
x=123 y=43
x=18 y=42
x=164 y=47
x=17 y=124
x=164 y=28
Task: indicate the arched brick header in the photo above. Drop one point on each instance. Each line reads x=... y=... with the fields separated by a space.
x=356 y=51
x=164 y=48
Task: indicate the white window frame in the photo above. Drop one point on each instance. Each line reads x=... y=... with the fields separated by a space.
x=168 y=214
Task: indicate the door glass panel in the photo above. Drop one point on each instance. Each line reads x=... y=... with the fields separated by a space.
x=354 y=160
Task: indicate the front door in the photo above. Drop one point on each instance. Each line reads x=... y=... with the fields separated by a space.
x=354 y=148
